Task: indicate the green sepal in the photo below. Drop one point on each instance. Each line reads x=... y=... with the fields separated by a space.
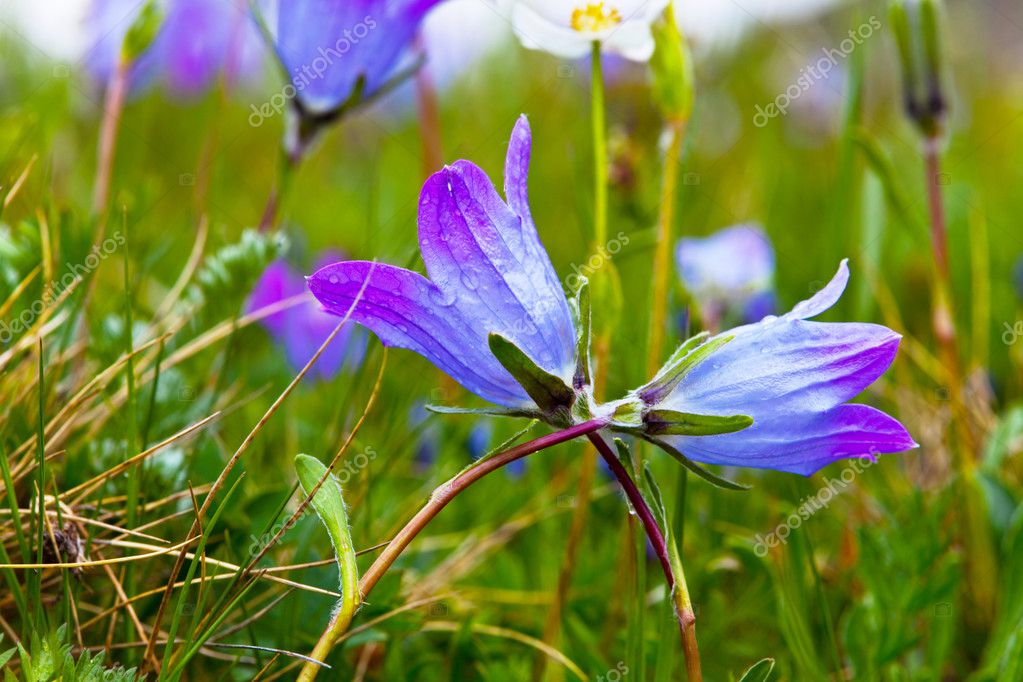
x=583 y=370
x=483 y=411
x=625 y=455
x=672 y=423
x=682 y=361
x=549 y=392
x=142 y=32
x=706 y=475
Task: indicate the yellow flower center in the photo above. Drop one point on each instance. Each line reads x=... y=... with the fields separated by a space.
x=594 y=18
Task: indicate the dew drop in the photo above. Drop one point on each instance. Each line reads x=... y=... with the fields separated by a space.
x=333 y=279
x=441 y=298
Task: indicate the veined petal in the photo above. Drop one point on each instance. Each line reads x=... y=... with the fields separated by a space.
x=802 y=444
x=302 y=328
x=785 y=368
x=475 y=250
x=536 y=261
x=406 y=310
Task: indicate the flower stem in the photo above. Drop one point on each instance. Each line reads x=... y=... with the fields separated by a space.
x=676 y=130
x=113 y=105
x=680 y=596
x=599 y=149
x=286 y=167
x=438 y=500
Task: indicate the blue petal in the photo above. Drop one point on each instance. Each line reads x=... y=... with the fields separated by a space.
x=406 y=310
x=474 y=249
x=804 y=444
x=826 y=297
x=787 y=367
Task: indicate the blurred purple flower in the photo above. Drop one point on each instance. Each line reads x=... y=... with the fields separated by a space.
x=793 y=377
x=729 y=274
x=1017 y=278
x=198 y=40
x=488 y=273
x=302 y=328
x=333 y=50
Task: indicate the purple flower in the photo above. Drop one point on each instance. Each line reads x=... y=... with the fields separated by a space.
x=730 y=274
x=337 y=50
x=198 y=40
x=793 y=377
x=1017 y=278
x=488 y=273
x=301 y=329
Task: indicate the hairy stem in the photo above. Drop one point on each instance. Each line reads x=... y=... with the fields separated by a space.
x=662 y=250
x=438 y=500
x=599 y=149
x=680 y=594
x=113 y=105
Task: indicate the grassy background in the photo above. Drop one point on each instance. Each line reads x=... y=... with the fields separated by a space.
x=910 y=573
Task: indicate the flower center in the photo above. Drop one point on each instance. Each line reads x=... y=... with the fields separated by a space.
x=594 y=18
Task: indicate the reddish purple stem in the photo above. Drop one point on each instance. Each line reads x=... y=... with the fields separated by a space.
x=653 y=531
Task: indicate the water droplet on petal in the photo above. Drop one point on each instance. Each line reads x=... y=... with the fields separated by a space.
x=332 y=279
x=441 y=298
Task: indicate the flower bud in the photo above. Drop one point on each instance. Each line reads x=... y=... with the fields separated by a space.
x=916 y=25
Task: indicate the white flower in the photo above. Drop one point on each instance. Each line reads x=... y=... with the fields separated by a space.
x=567 y=28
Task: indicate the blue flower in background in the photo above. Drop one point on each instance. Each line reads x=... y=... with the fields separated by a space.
x=729 y=274
x=1017 y=278
x=793 y=377
x=301 y=329
x=343 y=51
x=197 y=42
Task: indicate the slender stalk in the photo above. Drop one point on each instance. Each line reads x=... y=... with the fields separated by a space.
x=939 y=231
x=429 y=122
x=286 y=167
x=680 y=594
x=676 y=130
x=599 y=149
x=438 y=500
x=113 y=105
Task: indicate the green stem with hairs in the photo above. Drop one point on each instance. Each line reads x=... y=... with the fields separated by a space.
x=599 y=149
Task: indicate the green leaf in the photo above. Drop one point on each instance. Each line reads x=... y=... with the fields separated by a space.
x=682 y=361
x=669 y=422
x=759 y=671
x=329 y=504
x=549 y=392
x=713 y=479
x=7 y=655
x=142 y=32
